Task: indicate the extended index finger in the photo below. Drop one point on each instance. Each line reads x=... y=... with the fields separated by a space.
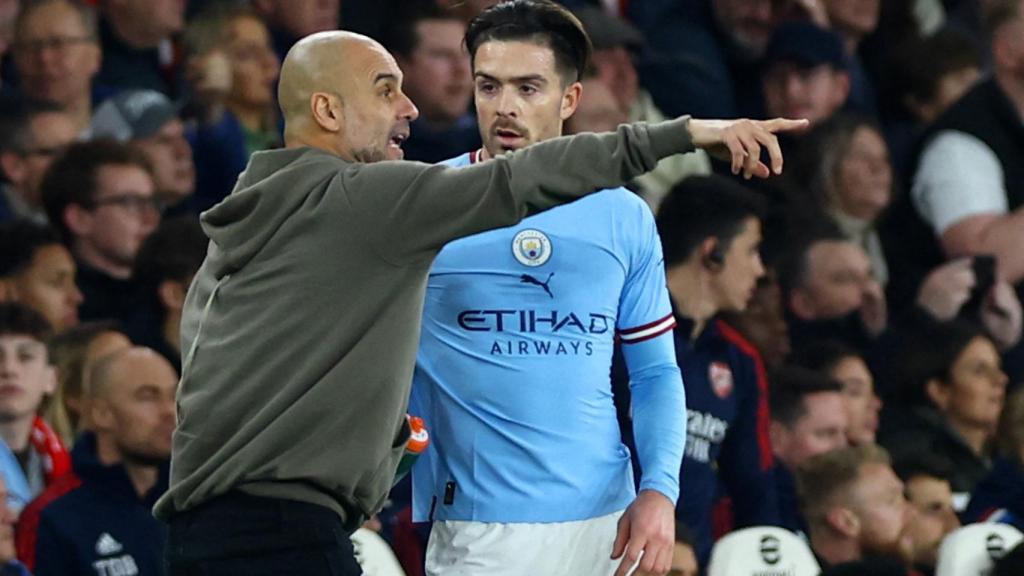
x=776 y=125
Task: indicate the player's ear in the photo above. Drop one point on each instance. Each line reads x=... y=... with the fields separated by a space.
x=571 y=100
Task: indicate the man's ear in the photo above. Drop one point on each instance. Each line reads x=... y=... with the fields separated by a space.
x=939 y=393
x=778 y=435
x=800 y=304
x=843 y=521
x=571 y=100
x=327 y=111
x=78 y=219
x=13 y=167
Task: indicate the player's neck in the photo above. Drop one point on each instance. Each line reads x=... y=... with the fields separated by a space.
x=690 y=288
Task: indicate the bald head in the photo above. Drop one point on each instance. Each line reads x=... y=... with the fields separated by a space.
x=125 y=366
x=341 y=92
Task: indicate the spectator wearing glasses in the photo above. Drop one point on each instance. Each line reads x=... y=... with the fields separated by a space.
x=101 y=197
x=56 y=56
x=32 y=134
x=147 y=120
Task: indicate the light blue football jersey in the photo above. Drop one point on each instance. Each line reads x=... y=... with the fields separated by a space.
x=513 y=371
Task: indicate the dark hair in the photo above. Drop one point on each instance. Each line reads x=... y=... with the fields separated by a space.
x=71 y=179
x=174 y=251
x=791 y=241
x=19 y=320
x=16 y=116
x=702 y=207
x=923 y=464
x=21 y=239
x=400 y=36
x=823 y=356
x=929 y=352
x=919 y=64
x=790 y=385
x=539 y=21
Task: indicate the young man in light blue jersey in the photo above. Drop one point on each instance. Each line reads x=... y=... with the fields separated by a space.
x=527 y=473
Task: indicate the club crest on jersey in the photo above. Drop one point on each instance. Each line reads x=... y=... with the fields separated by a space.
x=531 y=248
x=720 y=376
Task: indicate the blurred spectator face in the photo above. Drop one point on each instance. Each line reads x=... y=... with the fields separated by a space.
x=55 y=57
x=301 y=18
x=951 y=87
x=521 y=98
x=814 y=93
x=932 y=500
x=123 y=214
x=974 y=394
x=598 y=111
x=8 y=15
x=863 y=182
x=883 y=514
x=615 y=68
x=822 y=429
x=7 y=520
x=837 y=276
x=1008 y=46
x=748 y=22
x=156 y=19
x=764 y=322
x=853 y=17
x=174 y=173
x=862 y=406
x=736 y=279
x=25 y=376
x=136 y=406
x=254 y=65
x=49 y=134
x=437 y=74
x=48 y=286
x=684 y=561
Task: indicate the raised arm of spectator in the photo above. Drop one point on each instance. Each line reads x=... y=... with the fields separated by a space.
x=959 y=190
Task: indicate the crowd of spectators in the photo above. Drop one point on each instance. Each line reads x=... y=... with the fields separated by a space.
x=849 y=333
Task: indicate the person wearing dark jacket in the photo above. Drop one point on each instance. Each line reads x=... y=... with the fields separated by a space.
x=999 y=497
x=952 y=387
x=710 y=229
x=98 y=520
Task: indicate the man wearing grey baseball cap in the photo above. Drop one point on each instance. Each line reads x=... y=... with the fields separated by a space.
x=147 y=120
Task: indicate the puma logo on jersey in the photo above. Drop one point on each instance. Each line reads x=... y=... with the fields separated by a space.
x=527 y=279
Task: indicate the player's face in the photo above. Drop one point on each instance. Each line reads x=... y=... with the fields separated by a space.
x=521 y=98
x=741 y=268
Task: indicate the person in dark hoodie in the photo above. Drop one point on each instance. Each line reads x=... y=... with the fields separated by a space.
x=301 y=326
x=97 y=520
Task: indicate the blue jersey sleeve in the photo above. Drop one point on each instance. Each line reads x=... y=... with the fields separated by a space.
x=659 y=412
x=644 y=308
x=645 y=329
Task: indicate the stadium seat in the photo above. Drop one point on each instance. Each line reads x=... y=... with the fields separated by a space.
x=973 y=549
x=760 y=551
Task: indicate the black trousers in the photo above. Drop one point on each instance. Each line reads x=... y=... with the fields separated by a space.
x=238 y=534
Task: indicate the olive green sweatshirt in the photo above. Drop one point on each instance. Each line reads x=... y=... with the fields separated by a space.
x=300 y=329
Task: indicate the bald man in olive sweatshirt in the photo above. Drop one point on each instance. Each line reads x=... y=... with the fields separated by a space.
x=300 y=330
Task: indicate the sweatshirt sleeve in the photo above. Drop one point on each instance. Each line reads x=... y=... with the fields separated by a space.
x=412 y=210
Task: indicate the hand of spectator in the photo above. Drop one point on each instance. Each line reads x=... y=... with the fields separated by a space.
x=647 y=529
x=946 y=289
x=1001 y=315
x=740 y=142
x=209 y=75
x=873 y=310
